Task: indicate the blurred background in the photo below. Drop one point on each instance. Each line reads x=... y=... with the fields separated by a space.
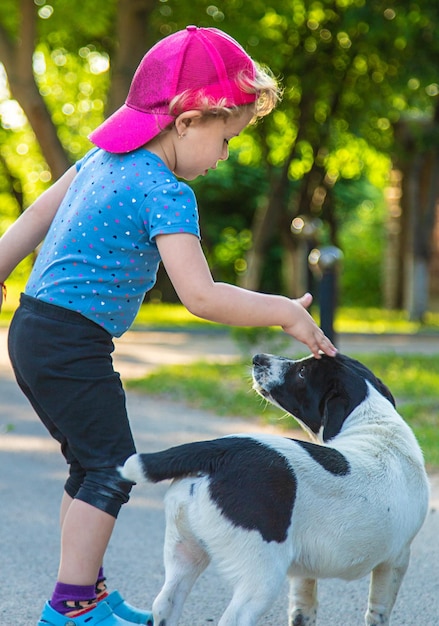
x=345 y=169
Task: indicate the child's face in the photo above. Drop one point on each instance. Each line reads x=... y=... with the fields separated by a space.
x=205 y=142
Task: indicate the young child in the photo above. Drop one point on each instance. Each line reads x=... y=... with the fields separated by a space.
x=107 y=224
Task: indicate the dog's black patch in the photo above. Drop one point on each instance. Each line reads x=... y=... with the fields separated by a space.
x=250 y=482
x=330 y=459
x=255 y=488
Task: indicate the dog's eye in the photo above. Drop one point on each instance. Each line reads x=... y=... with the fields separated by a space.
x=301 y=373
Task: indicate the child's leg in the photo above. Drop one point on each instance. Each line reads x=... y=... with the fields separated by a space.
x=75 y=599
x=81 y=555
x=69 y=378
x=82 y=552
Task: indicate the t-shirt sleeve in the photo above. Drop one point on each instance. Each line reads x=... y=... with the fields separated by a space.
x=80 y=162
x=171 y=208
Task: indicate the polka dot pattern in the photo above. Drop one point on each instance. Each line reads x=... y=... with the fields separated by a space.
x=100 y=256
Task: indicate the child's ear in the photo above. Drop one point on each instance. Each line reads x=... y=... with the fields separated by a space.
x=184 y=120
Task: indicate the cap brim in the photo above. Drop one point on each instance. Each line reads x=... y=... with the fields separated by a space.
x=128 y=129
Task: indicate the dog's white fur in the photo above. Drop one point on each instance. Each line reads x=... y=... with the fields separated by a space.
x=343 y=525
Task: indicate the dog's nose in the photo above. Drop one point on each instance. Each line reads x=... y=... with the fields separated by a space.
x=261 y=359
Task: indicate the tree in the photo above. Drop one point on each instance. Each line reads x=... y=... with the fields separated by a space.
x=418 y=162
x=351 y=71
x=16 y=54
x=346 y=70
x=99 y=24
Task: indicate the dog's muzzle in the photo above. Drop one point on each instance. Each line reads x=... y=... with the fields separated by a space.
x=267 y=372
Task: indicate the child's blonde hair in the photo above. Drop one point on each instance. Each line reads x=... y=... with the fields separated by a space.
x=263 y=84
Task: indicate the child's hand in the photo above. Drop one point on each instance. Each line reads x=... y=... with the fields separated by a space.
x=306 y=330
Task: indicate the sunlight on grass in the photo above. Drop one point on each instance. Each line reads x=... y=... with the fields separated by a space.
x=379 y=321
x=348 y=320
x=169 y=315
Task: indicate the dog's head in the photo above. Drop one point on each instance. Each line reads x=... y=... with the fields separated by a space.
x=319 y=393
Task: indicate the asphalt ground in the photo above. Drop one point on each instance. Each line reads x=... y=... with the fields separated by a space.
x=32 y=474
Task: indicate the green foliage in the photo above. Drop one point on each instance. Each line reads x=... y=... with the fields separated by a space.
x=74 y=85
x=23 y=171
x=362 y=239
x=351 y=70
x=229 y=253
x=229 y=195
x=71 y=71
x=61 y=21
x=227 y=199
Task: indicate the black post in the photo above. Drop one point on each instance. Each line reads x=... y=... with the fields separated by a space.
x=325 y=264
x=328 y=296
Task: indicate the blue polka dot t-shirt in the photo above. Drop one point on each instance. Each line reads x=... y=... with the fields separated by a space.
x=99 y=257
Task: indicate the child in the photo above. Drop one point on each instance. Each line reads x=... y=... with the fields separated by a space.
x=107 y=224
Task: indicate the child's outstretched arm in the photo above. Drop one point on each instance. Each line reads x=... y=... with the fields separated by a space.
x=189 y=273
x=31 y=227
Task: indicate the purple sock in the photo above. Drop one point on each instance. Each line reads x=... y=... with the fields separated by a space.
x=73 y=595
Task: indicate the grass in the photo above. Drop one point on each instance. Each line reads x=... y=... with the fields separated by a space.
x=225 y=389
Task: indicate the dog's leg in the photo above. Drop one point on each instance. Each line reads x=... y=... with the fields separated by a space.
x=303 y=602
x=255 y=587
x=184 y=560
x=385 y=582
x=249 y=604
x=181 y=571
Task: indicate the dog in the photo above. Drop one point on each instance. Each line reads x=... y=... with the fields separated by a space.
x=264 y=507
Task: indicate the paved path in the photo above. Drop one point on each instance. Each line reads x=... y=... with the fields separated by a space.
x=31 y=478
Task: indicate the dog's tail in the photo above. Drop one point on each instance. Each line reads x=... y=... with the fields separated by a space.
x=200 y=457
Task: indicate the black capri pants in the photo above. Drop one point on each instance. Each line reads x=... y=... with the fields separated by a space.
x=62 y=362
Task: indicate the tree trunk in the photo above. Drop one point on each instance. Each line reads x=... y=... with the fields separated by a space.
x=135 y=38
x=423 y=210
x=392 y=266
x=265 y=221
x=17 y=59
x=420 y=193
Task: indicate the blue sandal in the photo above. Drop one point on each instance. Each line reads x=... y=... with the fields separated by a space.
x=102 y=615
x=126 y=611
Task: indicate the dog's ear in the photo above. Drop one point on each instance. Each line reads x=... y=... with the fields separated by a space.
x=335 y=411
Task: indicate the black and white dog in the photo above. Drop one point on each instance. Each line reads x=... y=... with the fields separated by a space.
x=266 y=507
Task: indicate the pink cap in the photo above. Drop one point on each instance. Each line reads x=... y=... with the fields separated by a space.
x=198 y=61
